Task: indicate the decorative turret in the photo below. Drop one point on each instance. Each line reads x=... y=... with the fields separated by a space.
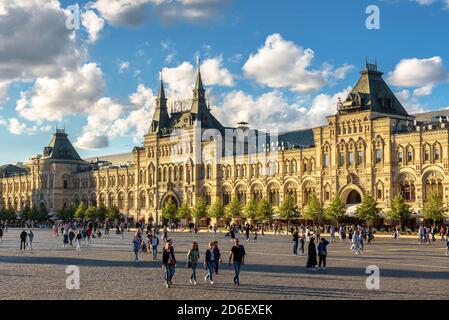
x=160 y=118
x=60 y=148
x=199 y=105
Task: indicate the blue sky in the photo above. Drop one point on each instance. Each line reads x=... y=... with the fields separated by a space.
x=278 y=64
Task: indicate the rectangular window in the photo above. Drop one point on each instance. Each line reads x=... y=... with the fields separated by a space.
x=327 y=196
x=378 y=155
x=437 y=154
x=426 y=156
x=350 y=158
x=379 y=194
x=342 y=159
x=65 y=184
x=326 y=161
x=360 y=157
x=400 y=157
x=409 y=156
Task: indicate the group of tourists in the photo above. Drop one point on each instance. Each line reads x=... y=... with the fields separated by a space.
x=212 y=261
x=26 y=240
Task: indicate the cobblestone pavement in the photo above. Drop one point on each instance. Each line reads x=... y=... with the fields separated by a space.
x=408 y=270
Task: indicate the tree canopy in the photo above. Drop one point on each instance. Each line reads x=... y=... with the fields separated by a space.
x=234 y=209
x=400 y=211
x=314 y=209
x=288 y=209
x=336 y=210
x=368 y=210
x=265 y=211
x=434 y=208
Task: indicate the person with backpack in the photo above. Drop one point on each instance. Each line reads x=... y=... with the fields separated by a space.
x=322 y=253
x=168 y=263
x=192 y=261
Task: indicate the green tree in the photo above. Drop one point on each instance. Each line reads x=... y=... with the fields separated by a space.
x=42 y=214
x=265 y=211
x=26 y=214
x=80 y=212
x=234 y=209
x=368 y=210
x=400 y=211
x=288 y=210
x=90 y=213
x=336 y=210
x=434 y=208
x=217 y=209
x=314 y=209
x=65 y=214
x=169 y=210
x=184 y=212
x=10 y=214
x=250 y=210
x=199 y=210
x=112 y=213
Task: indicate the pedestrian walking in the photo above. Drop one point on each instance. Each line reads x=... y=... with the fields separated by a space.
x=30 y=238
x=1 y=233
x=154 y=244
x=302 y=241
x=193 y=257
x=295 y=239
x=322 y=253
x=168 y=263
x=71 y=237
x=311 y=255
x=237 y=256
x=65 y=238
x=79 y=236
x=136 y=247
x=209 y=263
x=217 y=256
x=23 y=238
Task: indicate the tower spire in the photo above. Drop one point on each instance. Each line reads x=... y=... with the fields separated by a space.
x=161 y=94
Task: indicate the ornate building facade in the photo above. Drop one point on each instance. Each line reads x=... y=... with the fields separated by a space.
x=371 y=145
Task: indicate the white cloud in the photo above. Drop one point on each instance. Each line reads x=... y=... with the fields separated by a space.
x=410 y=102
x=93 y=23
x=273 y=111
x=138 y=12
x=181 y=79
x=74 y=92
x=281 y=63
x=4 y=85
x=424 y=2
x=14 y=126
x=108 y=119
x=35 y=41
x=423 y=91
x=123 y=66
x=418 y=72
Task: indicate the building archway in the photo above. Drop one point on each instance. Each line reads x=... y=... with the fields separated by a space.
x=354 y=197
x=352 y=194
x=167 y=197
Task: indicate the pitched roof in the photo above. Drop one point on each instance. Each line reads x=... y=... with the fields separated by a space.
x=372 y=93
x=8 y=170
x=60 y=148
x=297 y=139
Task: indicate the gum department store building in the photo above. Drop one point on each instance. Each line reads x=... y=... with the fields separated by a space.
x=371 y=145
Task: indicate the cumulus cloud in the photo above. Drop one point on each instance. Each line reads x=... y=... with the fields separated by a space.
x=423 y=91
x=410 y=101
x=74 y=92
x=16 y=127
x=181 y=79
x=35 y=40
x=418 y=72
x=93 y=24
x=281 y=63
x=138 y=12
x=123 y=66
x=4 y=85
x=109 y=119
x=272 y=110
